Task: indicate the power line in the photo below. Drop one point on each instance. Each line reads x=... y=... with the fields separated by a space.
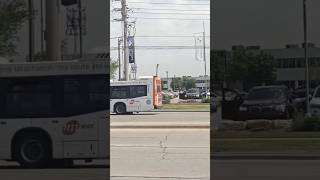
x=169 y=36
x=161 y=9
x=172 y=18
x=168 y=13
x=191 y=0
x=172 y=36
x=169 y=4
x=161 y=47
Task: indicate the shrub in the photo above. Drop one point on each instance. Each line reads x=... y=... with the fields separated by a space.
x=166 y=99
x=205 y=100
x=312 y=123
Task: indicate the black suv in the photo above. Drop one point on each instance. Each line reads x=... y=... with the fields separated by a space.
x=268 y=102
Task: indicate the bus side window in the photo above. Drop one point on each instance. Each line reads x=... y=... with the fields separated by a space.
x=97 y=94
x=138 y=91
x=29 y=98
x=120 y=92
x=74 y=99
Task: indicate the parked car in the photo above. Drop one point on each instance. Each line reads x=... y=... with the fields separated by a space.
x=268 y=102
x=299 y=98
x=215 y=99
x=231 y=100
x=193 y=93
x=315 y=102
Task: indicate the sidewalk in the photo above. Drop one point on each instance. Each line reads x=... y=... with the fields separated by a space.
x=201 y=125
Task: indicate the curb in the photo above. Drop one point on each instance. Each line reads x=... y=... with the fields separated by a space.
x=159 y=127
x=180 y=111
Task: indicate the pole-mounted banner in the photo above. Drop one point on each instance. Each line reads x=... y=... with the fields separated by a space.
x=131 y=49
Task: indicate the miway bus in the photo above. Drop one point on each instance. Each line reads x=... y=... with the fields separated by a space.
x=143 y=94
x=53 y=112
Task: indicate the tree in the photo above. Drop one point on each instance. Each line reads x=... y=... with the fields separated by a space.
x=188 y=83
x=113 y=69
x=251 y=68
x=12 y=15
x=217 y=59
x=176 y=83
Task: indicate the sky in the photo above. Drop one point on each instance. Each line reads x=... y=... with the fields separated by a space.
x=178 y=62
x=269 y=23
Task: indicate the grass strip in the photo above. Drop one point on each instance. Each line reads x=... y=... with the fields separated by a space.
x=266 y=145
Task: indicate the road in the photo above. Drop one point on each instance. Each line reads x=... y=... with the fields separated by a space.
x=265 y=169
x=160 y=153
x=155 y=117
x=96 y=170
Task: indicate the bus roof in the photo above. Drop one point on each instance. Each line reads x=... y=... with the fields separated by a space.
x=54 y=68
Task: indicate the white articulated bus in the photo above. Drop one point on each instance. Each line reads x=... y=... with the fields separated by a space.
x=136 y=95
x=53 y=112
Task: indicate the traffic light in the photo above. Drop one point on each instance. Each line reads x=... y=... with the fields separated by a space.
x=69 y=2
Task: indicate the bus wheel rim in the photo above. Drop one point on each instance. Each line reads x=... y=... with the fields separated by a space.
x=32 y=151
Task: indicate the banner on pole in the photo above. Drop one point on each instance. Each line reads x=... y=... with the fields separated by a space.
x=131 y=49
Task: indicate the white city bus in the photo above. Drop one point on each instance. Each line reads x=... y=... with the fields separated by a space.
x=136 y=95
x=53 y=112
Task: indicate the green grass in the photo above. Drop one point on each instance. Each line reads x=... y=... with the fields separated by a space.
x=187 y=106
x=264 y=134
x=265 y=141
x=265 y=145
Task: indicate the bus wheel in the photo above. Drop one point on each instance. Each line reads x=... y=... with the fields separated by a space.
x=32 y=150
x=120 y=108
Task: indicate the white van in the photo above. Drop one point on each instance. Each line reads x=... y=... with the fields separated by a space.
x=315 y=102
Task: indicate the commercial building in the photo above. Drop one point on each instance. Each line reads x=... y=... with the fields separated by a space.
x=290 y=63
x=290 y=69
x=199 y=82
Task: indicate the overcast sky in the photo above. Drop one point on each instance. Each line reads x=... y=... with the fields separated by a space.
x=269 y=23
x=177 y=62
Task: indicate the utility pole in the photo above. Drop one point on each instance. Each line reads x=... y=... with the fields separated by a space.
x=306 y=55
x=167 y=72
x=204 y=57
x=42 y=30
x=80 y=29
x=53 y=50
x=174 y=86
x=125 y=39
x=31 y=30
x=157 y=68
x=119 y=56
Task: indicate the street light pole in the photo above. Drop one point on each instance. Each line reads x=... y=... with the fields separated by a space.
x=167 y=72
x=80 y=29
x=119 y=57
x=204 y=59
x=306 y=56
x=31 y=30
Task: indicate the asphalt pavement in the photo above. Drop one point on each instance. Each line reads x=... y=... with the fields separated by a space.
x=147 y=152
x=265 y=170
x=97 y=170
x=160 y=154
